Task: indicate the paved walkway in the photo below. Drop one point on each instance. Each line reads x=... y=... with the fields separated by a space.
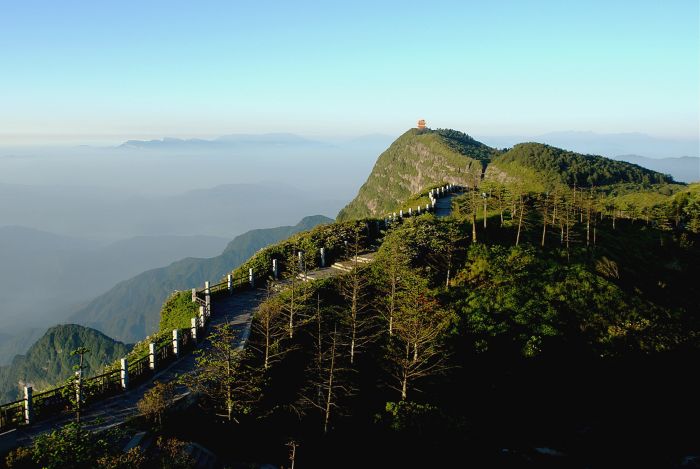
x=443 y=205
x=237 y=308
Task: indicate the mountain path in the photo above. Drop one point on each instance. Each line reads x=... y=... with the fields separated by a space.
x=443 y=205
x=237 y=308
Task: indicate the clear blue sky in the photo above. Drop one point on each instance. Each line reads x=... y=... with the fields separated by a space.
x=90 y=70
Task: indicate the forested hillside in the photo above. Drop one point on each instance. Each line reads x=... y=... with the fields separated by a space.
x=551 y=320
x=555 y=332
x=550 y=165
x=49 y=361
x=421 y=159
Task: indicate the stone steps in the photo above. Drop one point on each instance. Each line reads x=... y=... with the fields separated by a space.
x=340 y=266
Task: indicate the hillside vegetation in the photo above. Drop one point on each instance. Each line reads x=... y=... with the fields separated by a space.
x=550 y=321
x=417 y=160
x=466 y=336
x=547 y=312
x=553 y=166
x=48 y=361
x=421 y=159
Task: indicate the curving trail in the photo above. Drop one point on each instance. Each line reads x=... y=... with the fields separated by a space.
x=237 y=308
x=443 y=205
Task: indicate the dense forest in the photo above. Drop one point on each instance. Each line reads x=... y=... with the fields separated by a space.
x=575 y=169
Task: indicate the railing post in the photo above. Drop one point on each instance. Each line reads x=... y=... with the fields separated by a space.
x=400 y=213
x=28 y=407
x=78 y=392
x=207 y=306
x=152 y=356
x=275 y=269
x=125 y=373
x=194 y=295
x=201 y=316
x=323 y=257
x=426 y=208
x=251 y=278
x=229 y=282
x=409 y=211
x=300 y=255
x=176 y=343
x=206 y=288
x=193 y=326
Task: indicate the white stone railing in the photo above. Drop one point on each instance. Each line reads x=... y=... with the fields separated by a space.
x=433 y=195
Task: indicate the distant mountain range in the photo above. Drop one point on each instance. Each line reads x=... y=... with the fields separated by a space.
x=606 y=144
x=225 y=140
x=683 y=169
x=131 y=310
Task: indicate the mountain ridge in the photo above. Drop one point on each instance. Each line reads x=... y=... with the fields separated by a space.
x=416 y=160
x=421 y=159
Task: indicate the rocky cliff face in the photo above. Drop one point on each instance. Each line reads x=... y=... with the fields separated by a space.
x=417 y=160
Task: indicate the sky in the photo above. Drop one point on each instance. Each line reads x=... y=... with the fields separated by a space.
x=107 y=71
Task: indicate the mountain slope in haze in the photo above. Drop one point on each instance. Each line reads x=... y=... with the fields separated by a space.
x=45 y=276
x=49 y=360
x=130 y=311
x=111 y=215
x=418 y=159
x=683 y=169
x=18 y=343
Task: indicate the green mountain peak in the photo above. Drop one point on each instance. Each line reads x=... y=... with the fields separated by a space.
x=418 y=159
x=49 y=361
x=424 y=158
